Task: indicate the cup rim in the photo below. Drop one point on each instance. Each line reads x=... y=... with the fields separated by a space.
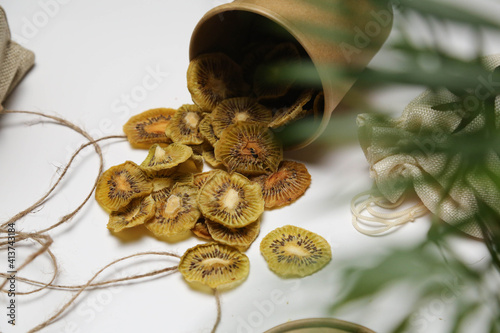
x=338 y=324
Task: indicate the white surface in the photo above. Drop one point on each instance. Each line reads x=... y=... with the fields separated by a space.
x=89 y=56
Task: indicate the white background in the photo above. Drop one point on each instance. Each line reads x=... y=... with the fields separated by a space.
x=89 y=56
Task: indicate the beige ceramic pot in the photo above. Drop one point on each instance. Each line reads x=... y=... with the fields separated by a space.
x=352 y=32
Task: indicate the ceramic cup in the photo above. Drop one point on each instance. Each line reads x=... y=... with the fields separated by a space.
x=319 y=325
x=341 y=34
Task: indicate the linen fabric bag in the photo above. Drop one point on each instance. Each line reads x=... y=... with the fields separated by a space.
x=15 y=60
x=418 y=152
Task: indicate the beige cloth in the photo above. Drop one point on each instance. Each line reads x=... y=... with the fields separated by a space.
x=430 y=173
x=15 y=60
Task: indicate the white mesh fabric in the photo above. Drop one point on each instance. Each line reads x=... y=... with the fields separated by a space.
x=430 y=173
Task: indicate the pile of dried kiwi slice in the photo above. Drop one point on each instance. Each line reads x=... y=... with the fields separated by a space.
x=230 y=127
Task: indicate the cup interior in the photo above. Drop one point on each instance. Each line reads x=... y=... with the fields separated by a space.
x=235 y=32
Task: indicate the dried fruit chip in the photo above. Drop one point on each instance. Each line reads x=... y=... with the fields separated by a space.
x=180 y=177
x=285 y=185
x=292 y=251
x=207 y=130
x=233 y=110
x=176 y=214
x=148 y=127
x=193 y=165
x=161 y=188
x=231 y=199
x=212 y=78
x=240 y=238
x=319 y=105
x=197 y=149
x=135 y=213
x=214 y=265
x=293 y=111
x=200 y=229
x=183 y=127
x=201 y=178
x=209 y=157
x=254 y=56
x=163 y=183
x=250 y=149
x=272 y=77
x=160 y=158
x=118 y=185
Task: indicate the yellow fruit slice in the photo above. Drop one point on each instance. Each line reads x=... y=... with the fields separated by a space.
x=231 y=199
x=214 y=265
x=291 y=251
x=118 y=185
x=135 y=213
x=177 y=213
x=148 y=127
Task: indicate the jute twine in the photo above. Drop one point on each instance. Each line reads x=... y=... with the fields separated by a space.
x=45 y=241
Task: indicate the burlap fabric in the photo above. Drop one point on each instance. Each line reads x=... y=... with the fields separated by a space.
x=432 y=173
x=15 y=60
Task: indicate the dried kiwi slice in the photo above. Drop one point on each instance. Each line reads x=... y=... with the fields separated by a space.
x=160 y=158
x=293 y=111
x=284 y=186
x=197 y=149
x=118 y=185
x=209 y=157
x=212 y=78
x=214 y=265
x=200 y=229
x=207 y=130
x=193 y=165
x=176 y=214
x=319 y=105
x=292 y=251
x=272 y=77
x=183 y=127
x=240 y=238
x=180 y=177
x=200 y=179
x=148 y=127
x=161 y=187
x=253 y=57
x=135 y=213
x=163 y=184
x=248 y=148
x=231 y=199
x=238 y=109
